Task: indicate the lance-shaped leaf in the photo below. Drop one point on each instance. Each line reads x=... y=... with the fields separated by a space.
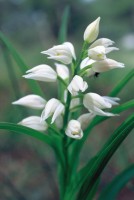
x=112 y=190
x=23 y=67
x=25 y=130
x=64 y=25
x=104 y=156
x=122 y=83
x=53 y=141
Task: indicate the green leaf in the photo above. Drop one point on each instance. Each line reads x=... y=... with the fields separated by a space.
x=64 y=25
x=122 y=83
x=25 y=130
x=54 y=141
x=23 y=67
x=104 y=156
x=112 y=190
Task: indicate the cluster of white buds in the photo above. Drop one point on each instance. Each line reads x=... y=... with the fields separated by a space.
x=59 y=111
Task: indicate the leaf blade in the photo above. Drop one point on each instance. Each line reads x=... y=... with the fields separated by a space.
x=64 y=25
x=112 y=190
x=23 y=67
x=104 y=156
x=28 y=131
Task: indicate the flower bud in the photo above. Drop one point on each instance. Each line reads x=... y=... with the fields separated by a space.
x=42 y=73
x=95 y=103
x=77 y=84
x=31 y=101
x=53 y=107
x=74 y=130
x=92 y=31
x=34 y=122
x=63 y=53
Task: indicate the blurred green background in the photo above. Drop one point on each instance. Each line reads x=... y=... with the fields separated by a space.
x=27 y=167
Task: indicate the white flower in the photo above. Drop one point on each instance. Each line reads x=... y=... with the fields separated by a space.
x=53 y=108
x=77 y=84
x=62 y=71
x=74 y=130
x=105 y=65
x=92 y=31
x=63 y=53
x=95 y=103
x=97 y=53
x=42 y=73
x=34 y=122
x=102 y=42
x=31 y=101
x=85 y=119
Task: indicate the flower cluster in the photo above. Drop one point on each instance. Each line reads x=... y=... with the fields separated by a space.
x=70 y=72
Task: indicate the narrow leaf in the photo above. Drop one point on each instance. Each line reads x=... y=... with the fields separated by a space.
x=104 y=156
x=23 y=67
x=122 y=83
x=112 y=190
x=64 y=25
x=25 y=130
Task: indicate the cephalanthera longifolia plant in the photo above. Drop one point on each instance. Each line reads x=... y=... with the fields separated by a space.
x=62 y=124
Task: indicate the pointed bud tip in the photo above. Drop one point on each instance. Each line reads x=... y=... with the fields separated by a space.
x=92 y=31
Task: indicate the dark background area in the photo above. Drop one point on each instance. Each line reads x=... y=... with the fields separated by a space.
x=28 y=167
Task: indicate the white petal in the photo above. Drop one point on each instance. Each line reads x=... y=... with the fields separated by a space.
x=42 y=73
x=85 y=119
x=34 y=122
x=92 y=100
x=59 y=110
x=105 y=65
x=77 y=84
x=98 y=111
x=31 y=101
x=63 y=53
x=112 y=100
x=50 y=108
x=102 y=41
x=97 y=53
x=95 y=103
x=62 y=71
x=110 y=49
x=71 y=47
